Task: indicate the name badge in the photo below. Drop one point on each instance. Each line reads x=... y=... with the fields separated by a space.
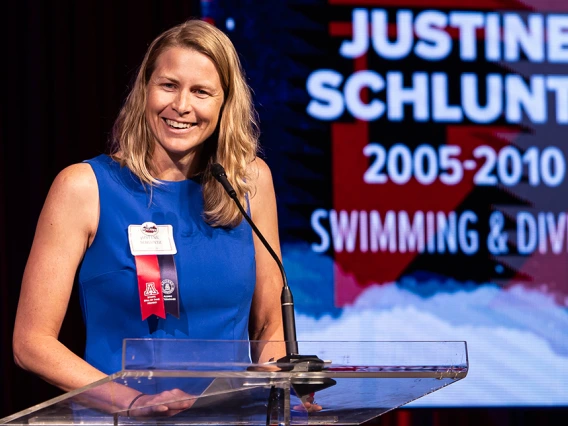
x=150 y=238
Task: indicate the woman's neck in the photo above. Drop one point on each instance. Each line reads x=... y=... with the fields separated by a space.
x=175 y=168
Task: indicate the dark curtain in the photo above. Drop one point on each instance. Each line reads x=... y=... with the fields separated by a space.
x=66 y=69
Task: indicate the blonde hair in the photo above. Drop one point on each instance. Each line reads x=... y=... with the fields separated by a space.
x=234 y=144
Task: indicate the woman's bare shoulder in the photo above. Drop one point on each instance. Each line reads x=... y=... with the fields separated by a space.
x=259 y=173
x=76 y=177
x=74 y=198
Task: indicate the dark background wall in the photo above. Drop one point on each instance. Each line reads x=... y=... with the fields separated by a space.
x=66 y=69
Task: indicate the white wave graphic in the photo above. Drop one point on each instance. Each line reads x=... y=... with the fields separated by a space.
x=517 y=339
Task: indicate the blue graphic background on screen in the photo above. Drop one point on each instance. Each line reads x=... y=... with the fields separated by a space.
x=517 y=336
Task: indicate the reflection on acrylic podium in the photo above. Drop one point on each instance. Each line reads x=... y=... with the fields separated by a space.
x=354 y=383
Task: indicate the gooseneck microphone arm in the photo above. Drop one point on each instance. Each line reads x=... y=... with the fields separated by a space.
x=293 y=360
x=286 y=299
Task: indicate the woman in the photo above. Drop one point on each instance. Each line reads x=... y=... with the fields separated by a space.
x=189 y=108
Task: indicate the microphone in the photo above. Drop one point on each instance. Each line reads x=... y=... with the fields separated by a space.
x=293 y=360
x=286 y=299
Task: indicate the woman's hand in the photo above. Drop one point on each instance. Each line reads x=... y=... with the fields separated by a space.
x=164 y=404
x=308 y=404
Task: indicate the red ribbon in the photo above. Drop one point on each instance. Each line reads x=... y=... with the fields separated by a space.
x=149 y=286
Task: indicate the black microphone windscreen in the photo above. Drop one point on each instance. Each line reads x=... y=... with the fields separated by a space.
x=217 y=170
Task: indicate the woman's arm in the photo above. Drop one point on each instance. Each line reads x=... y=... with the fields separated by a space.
x=64 y=230
x=266 y=313
x=66 y=227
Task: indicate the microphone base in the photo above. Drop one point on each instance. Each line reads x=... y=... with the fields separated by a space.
x=300 y=363
x=305 y=386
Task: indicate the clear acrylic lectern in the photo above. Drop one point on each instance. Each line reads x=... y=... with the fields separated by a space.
x=356 y=382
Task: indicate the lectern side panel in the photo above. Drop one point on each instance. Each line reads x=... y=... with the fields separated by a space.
x=356 y=400
x=378 y=393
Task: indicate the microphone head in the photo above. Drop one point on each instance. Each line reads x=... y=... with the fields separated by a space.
x=217 y=170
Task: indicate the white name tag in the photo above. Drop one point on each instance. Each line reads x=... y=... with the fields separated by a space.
x=150 y=238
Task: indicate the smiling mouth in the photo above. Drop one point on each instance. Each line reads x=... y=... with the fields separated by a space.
x=177 y=125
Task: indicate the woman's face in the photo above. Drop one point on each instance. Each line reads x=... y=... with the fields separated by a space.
x=184 y=102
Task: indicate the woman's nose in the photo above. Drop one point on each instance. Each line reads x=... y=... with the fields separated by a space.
x=182 y=104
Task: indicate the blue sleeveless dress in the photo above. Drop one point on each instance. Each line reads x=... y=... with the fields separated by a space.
x=215 y=266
